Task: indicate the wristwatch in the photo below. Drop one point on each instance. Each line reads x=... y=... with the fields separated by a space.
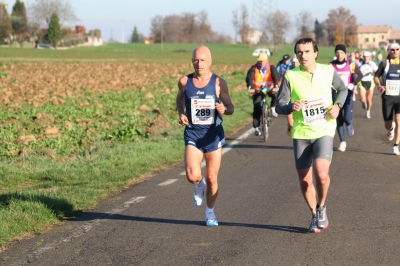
x=340 y=106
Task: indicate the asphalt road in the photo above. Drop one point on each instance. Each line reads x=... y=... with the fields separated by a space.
x=263 y=217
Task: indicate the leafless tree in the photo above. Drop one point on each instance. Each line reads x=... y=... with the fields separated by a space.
x=241 y=23
x=156 y=29
x=186 y=28
x=236 y=23
x=304 y=24
x=189 y=26
x=341 y=26
x=40 y=11
x=174 y=29
x=277 y=25
x=204 y=26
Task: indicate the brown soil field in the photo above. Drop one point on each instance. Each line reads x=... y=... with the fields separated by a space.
x=38 y=83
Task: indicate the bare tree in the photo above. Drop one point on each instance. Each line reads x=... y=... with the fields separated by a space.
x=244 y=24
x=241 y=23
x=189 y=26
x=235 y=22
x=186 y=28
x=341 y=26
x=156 y=29
x=40 y=12
x=277 y=25
x=304 y=24
x=204 y=26
x=320 y=33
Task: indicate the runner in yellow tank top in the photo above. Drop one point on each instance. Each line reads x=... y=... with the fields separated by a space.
x=306 y=92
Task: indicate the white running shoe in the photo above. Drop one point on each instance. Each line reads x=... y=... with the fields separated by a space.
x=368 y=114
x=274 y=114
x=390 y=133
x=257 y=131
x=198 y=197
x=342 y=146
x=211 y=220
x=395 y=150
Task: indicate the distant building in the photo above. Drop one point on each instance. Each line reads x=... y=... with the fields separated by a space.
x=378 y=37
x=254 y=36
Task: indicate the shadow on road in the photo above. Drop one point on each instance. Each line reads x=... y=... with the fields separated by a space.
x=258 y=146
x=91 y=216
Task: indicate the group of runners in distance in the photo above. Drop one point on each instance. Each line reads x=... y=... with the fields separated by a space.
x=317 y=99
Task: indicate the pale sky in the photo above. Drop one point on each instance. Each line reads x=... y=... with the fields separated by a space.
x=117 y=18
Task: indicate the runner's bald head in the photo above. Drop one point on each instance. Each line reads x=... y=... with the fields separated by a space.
x=202 y=52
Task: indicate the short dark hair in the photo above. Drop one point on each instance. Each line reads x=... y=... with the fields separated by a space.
x=304 y=41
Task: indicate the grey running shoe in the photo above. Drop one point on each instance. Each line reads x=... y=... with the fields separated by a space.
x=322 y=218
x=198 y=197
x=350 y=130
x=313 y=225
x=363 y=105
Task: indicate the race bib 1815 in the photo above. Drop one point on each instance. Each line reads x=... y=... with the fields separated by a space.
x=314 y=111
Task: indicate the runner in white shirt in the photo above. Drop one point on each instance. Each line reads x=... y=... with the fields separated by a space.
x=365 y=71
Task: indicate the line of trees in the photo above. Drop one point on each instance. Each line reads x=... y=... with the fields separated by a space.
x=185 y=28
x=339 y=27
x=275 y=26
x=27 y=26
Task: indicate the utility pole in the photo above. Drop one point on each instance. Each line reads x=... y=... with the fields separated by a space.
x=122 y=32
x=344 y=30
x=162 y=36
x=261 y=8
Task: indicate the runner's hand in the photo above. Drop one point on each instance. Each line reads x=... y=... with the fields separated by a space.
x=350 y=87
x=183 y=120
x=297 y=105
x=220 y=107
x=382 y=89
x=333 y=111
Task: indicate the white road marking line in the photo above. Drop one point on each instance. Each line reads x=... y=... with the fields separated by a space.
x=77 y=232
x=229 y=146
x=168 y=182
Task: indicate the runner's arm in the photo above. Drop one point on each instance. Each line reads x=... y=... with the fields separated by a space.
x=283 y=105
x=179 y=101
x=379 y=73
x=226 y=107
x=275 y=75
x=340 y=88
x=180 y=104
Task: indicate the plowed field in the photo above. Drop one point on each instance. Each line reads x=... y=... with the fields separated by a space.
x=38 y=83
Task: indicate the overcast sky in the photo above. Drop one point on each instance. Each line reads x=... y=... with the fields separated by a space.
x=117 y=18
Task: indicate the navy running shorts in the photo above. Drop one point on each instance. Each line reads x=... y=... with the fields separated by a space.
x=205 y=140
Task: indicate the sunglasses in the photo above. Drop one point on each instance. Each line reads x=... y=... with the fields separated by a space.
x=392 y=50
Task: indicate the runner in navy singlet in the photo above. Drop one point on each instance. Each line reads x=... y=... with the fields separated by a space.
x=387 y=79
x=202 y=99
